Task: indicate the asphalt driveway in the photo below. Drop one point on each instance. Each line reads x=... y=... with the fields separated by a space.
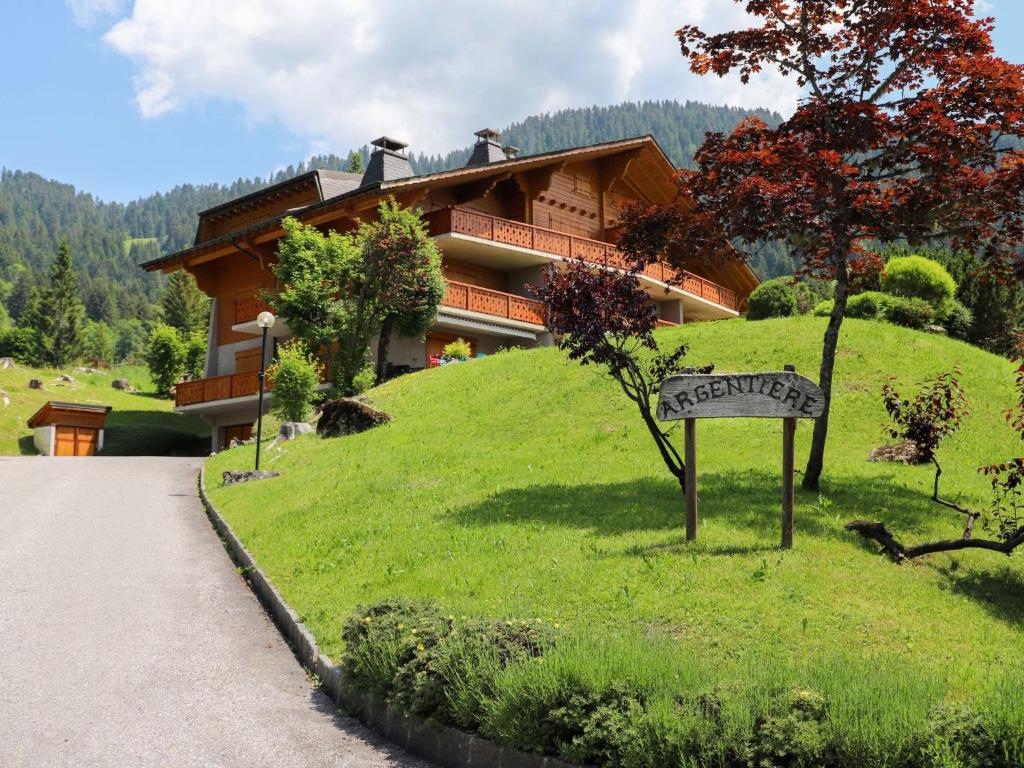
x=128 y=639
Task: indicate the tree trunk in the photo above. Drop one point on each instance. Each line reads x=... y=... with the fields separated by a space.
x=816 y=459
x=383 y=344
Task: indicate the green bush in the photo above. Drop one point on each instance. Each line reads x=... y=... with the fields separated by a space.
x=165 y=356
x=521 y=684
x=295 y=375
x=772 y=298
x=870 y=305
x=810 y=293
x=18 y=343
x=957 y=319
x=824 y=308
x=910 y=313
x=916 y=277
x=195 y=354
x=458 y=349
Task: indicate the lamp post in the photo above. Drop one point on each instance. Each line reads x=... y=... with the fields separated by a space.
x=264 y=320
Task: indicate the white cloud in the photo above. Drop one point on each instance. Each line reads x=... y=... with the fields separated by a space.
x=88 y=13
x=341 y=72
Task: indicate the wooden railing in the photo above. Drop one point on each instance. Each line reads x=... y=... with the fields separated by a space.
x=217 y=388
x=496 y=303
x=466 y=222
x=248 y=306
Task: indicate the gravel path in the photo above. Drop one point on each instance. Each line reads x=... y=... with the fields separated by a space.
x=128 y=639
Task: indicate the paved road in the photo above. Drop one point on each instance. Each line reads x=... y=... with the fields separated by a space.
x=127 y=638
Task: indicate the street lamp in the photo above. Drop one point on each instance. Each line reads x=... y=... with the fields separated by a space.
x=264 y=320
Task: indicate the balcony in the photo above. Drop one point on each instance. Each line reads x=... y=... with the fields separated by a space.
x=473 y=298
x=462 y=221
x=217 y=388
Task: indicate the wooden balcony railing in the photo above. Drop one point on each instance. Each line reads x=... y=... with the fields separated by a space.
x=217 y=388
x=496 y=303
x=248 y=306
x=466 y=222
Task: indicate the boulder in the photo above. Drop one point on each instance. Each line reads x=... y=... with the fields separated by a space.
x=899 y=453
x=4 y=398
x=235 y=477
x=35 y=383
x=292 y=429
x=6 y=362
x=66 y=378
x=349 y=416
x=937 y=329
x=122 y=384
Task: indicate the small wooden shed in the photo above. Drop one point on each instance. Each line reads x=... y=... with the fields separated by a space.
x=69 y=429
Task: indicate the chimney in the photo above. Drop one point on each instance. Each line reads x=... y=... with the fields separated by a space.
x=487 y=149
x=510 y=152
x=387 y=162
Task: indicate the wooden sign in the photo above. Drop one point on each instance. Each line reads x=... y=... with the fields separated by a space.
x=777 y=395
x=780 y=395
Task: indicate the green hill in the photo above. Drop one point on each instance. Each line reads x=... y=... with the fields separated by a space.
x=139 y=424
x=522 y=486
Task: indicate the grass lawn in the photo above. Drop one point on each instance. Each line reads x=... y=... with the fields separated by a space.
x=523 y=486
x=139 y=424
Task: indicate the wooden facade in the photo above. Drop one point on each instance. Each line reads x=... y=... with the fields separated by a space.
x=69 y=429
x=498 y=225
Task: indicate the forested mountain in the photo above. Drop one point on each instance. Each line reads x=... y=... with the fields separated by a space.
x=108 y=240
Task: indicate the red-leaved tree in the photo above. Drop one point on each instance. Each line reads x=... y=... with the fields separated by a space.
x=604 y=318
x=901 y=134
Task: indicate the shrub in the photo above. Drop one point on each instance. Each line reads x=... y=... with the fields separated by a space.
x=870 y=305
x=296 y=376
x=458 y=349
x=772 y=298
x=824 y=308
x=810 y=293
x=165 y=356
x=911 y=313
x=195 y=354
x=957 y=319
x=919 y=278
x=792 y=738
x=959 y=736
x=18 y=343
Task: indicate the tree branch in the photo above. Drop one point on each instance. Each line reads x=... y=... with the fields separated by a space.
x=878 y=532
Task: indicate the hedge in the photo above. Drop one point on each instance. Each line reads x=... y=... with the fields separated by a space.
x=527 y=684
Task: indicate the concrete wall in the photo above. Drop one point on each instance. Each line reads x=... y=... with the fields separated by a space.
x=671 y=311
x=224 y=363
x=43 y=439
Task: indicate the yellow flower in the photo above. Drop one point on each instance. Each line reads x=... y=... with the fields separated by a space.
x=419 y=647
x=401 y=626
x=414 y=631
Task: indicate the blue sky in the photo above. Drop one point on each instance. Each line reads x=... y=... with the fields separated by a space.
x=126 y=97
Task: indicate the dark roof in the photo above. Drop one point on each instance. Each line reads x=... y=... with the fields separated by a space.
x=334 y=183
x=370 y=188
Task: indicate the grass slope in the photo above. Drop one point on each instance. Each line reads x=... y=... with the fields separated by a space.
x=139 y=424
x=523 y=486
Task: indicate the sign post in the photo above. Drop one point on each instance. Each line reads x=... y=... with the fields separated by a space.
x=780 y=395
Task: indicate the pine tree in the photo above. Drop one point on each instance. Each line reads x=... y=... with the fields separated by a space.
x=56 y=313
x=184 y=306
x=355 y=162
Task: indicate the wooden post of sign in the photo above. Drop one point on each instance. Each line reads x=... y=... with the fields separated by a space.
x=690 y=456
x=788 y=435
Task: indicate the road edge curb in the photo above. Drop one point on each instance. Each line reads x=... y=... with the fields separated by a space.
x=446 y=746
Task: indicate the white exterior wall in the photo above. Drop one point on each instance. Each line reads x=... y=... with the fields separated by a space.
x=225 y=360
x=43 y=438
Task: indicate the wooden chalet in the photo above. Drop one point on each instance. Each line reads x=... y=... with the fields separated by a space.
x=499 y=222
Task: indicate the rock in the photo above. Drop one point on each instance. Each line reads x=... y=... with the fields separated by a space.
x=122 y=384
x=900 y=453
x=7 y=362
x=68 y=379
x=348 y=416
x=235 y=477
x=235 y=442
x=292 y=429
x=87 y=369
x=4 y=398
x=35 y=383
x=938 y=329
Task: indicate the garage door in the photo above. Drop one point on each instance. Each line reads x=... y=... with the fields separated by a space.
x=76 y=441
